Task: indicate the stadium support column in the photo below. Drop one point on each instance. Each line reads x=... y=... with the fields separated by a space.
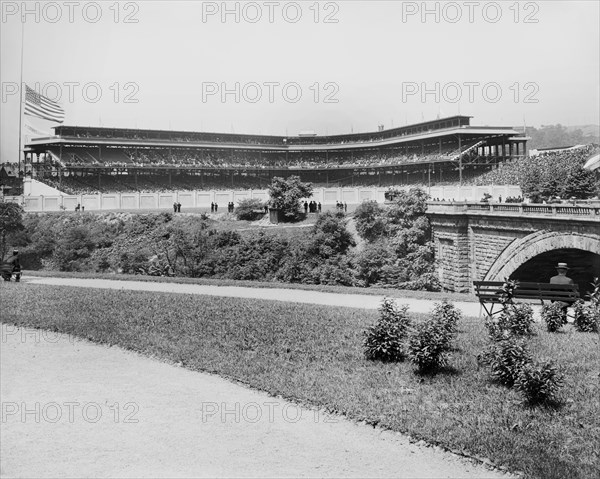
x=429 y=178
x=459 y=161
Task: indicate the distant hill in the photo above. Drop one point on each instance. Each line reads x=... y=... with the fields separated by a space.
x=555 y=136
x=587 y=130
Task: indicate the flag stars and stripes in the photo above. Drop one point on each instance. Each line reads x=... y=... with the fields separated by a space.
x=41 y=107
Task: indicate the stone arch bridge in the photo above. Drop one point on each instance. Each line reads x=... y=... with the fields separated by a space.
x=491 y=242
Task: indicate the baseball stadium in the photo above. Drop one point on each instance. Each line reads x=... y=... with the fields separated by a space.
x=89 y=160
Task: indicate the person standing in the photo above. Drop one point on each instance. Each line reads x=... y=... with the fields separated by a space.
x=175 y=207
x=178 y=207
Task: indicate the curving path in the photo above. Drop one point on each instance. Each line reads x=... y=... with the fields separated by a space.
x=272 y=294
x=75 y=409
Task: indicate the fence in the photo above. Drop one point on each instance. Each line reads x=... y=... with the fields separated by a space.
x=202 y=199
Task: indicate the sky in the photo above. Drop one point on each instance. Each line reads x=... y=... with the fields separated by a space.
x=279 y=67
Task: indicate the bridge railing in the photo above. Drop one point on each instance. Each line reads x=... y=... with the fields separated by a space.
x=592 y=210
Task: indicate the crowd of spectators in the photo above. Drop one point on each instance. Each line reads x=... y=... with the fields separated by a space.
x=513 y=171
x=207 y=159
x=92 y=184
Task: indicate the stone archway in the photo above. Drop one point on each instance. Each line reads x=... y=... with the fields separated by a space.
x=522 y=250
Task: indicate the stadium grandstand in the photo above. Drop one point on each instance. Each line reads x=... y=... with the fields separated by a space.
x=85 y=160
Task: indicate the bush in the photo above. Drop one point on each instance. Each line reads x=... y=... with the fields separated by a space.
x=554 y=315
x=587 y=318
x=73 y=248
x=539 y=383
x=446 y=317
x=427 y=347
x=250 y=210
x=384 y=341
x=517 y=320
x=495 y=331
x=506 y=359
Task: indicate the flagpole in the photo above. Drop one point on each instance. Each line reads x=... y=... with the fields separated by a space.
x=21 y=96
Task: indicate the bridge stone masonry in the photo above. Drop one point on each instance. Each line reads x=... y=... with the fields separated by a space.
x=491 y=242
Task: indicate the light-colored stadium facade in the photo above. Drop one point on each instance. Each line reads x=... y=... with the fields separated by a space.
x=443 y=151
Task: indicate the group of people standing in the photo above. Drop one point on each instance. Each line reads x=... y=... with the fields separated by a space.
x=341 y=206
x=176 y=207
x=230 y=207
x=312 y=207
x=214 y=207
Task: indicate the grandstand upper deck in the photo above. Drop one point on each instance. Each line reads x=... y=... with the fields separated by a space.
x=96 y=136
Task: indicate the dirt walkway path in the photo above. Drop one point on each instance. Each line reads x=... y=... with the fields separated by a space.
x=273 y=294
x=74 y=409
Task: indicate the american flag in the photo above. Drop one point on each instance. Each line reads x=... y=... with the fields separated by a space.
x=41 y=107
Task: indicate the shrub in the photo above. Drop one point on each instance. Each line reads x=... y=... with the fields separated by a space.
x=495 y=331
x=75 y=245
x=250 y=210
x=517 y=319
x=514 y=320
x=506 y=358
x=329 y=236
x=554 y=315
x=446 y=317
x=373 y=262
x=384 y=341
x=587 y=318
x=508 y=292
x=539 y=383
x=427 y=347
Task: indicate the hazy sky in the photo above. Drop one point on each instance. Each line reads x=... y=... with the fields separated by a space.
x=277 y=67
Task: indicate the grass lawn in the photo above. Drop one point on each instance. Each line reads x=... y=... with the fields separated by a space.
x=313 y=355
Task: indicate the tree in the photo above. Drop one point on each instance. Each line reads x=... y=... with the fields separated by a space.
x=400 y=250
x=286 y=194
x=370 y=222
x=558 y=174
x=407 y=208
x=11 y=221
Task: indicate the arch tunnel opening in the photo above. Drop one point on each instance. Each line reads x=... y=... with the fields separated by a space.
x=584 y=266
